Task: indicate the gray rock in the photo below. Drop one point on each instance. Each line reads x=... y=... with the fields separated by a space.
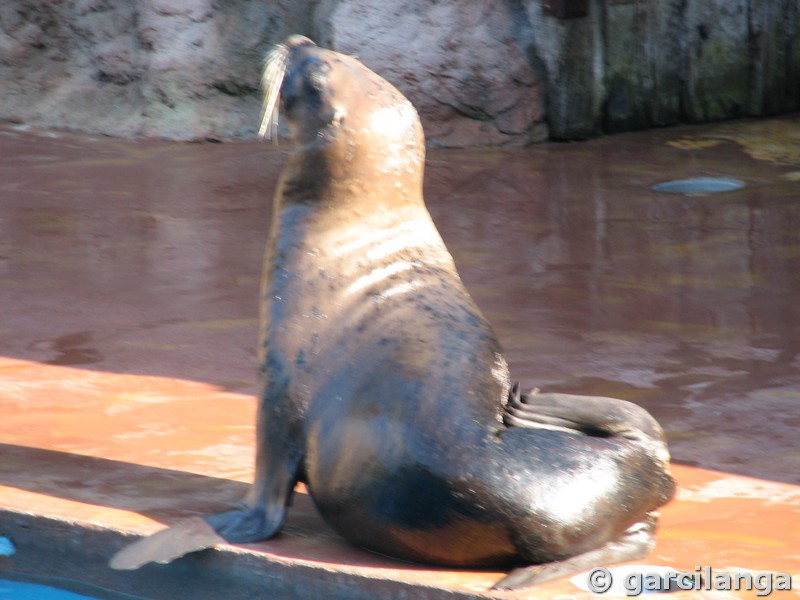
x=496 y=72
x=190 y=68
x=184 y=69
x=462 y=63
x=571 y=51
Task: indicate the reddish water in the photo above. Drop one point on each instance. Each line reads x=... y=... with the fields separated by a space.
x=143 y=257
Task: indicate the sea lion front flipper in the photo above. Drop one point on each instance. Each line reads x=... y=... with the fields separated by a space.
x=249 y=524
x=168 y=544
x=636 y=543
x=243 y=524
x=278 y=466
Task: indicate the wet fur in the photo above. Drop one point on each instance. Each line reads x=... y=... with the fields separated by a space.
x=383 y=386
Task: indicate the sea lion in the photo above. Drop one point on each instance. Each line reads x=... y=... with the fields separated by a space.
x=384 y=388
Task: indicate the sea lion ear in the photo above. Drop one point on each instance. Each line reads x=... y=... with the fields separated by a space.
x=338 y=117
x=318 y=75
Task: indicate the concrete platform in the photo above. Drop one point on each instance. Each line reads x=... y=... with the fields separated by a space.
x=128 y=315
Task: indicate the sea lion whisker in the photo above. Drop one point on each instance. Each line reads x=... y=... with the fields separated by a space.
x=271 y=81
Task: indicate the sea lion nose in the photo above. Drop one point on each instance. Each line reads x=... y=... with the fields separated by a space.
x=296 y=41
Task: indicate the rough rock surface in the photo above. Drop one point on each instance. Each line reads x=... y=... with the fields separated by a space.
x=495 y=72
x=634 y=64
x=462 y=63
x=190 y=68
x=173 y=68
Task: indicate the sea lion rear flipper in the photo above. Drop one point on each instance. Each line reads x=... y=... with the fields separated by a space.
x=591 y=415
x=168 y=544
x=637 y=542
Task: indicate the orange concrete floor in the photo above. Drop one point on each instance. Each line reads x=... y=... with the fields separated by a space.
x=128 y=321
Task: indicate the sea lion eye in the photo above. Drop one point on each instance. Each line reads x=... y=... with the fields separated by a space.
x=317 y=78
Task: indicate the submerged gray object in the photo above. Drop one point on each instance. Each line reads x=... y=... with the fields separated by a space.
x=699 y=185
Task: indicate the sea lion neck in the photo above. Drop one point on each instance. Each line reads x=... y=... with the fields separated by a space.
x=362 y=177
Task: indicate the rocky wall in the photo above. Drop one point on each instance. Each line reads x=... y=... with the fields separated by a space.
x=495 y=72
x=184 y=69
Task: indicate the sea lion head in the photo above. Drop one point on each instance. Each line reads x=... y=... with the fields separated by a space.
x=340 y=112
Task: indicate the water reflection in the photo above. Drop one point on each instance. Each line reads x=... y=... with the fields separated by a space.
x=685 y=305
x=594 y=283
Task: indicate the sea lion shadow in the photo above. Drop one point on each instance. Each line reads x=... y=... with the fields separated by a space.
x=168 y=495
x=121 y=485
